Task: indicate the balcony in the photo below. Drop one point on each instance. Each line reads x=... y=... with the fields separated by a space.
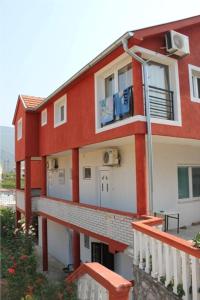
x=161 y=103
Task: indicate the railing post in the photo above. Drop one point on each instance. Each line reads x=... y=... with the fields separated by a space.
x=154 y=272
x=185 y=274
x=168 y=265
x=18 y=174
x=141 y=250
x=195 y=278
x=147 y=255
x=136 y=248
x=160 y=260
x=176 y=268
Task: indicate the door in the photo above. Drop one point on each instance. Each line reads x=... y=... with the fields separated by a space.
x=105 y=187
x=100 y=253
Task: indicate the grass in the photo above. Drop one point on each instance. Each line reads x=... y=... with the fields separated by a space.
x=9 y=181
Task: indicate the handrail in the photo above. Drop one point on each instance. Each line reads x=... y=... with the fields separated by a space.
x=145 y=226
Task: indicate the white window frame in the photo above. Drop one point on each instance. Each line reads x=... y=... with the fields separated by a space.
x=19 y=129
x=122 y=61
x=191 y=198
x=192 y=69
x=57 y=104
x=84 y=177
x=44 y=117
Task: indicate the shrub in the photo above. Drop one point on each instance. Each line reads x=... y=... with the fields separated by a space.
x=196 y=240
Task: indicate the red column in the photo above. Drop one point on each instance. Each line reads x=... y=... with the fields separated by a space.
x=28 y=209
x=141 y=173
x=18 y=175
x=75 y=175
x=18 y=217
x=44 y=244
x=75 y=198
x=44 y=176
x=138 y=88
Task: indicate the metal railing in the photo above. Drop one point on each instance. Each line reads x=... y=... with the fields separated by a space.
x=161 y=103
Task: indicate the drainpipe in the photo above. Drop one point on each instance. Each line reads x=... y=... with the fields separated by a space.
x=148 y=117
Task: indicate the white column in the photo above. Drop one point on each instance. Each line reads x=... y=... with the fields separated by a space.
x=168 y=265
x=195 y=278
x=185 y=274
x=154 y=273
x=141 y=250
x=147 y=254
x=136 y=248
x=160 y=260
x=176 y=268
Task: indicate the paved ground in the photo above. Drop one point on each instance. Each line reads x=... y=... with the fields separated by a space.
x=187 y=233
x=55 y=272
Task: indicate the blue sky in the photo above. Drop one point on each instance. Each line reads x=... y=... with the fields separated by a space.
x=44 y=42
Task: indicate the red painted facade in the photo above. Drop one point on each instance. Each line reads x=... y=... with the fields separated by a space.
x=79 y=130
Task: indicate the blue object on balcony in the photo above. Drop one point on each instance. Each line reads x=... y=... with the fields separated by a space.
x=106 y=111
x=117 y=98
x=126 y=101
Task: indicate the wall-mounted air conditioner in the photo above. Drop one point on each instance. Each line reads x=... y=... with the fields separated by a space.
x=177 y=43
x=111 y=157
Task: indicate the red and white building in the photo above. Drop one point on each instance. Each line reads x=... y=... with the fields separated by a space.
x=85 y=154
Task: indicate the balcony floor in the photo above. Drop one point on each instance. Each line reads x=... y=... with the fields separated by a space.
x=187 y=233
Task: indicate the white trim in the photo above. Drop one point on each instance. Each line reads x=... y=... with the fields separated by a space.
x=197 y=69
x=19 y=132
x=57 y=104
x=44 y=117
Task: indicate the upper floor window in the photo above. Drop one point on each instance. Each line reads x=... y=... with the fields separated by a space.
x=114 y=95
x=60 y=111
x=44 y=117
x=194 y=78
x=19 y=129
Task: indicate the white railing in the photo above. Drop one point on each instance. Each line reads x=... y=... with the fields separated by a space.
x=20 y=199
x=89 y=288
x=111 y=225
x=7 y=198
x=177 y=267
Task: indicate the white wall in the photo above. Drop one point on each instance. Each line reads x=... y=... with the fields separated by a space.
x=166 y=159
x=54 y=187
x=59 y=241
x=123 y=264
x=122 y=182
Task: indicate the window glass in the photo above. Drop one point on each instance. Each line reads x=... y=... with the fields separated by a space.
x=87 y=174
x=125 y=77
x=62 y=113
x=158 y=75
x=196 y=181
x=19 y=129
x=183 y=182
x=109 y=86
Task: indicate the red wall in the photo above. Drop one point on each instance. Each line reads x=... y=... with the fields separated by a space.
x=20 y=145
x=36 y=174
x=80 y=127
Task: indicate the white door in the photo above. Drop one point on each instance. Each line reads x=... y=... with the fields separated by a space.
x=105 y=187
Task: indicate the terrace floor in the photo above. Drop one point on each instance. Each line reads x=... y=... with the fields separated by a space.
x=187 y=233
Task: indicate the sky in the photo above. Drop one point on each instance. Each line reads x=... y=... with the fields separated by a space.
x=44 y=42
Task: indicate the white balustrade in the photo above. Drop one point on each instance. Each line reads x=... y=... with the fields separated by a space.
x=169 y=265
x=89 y=288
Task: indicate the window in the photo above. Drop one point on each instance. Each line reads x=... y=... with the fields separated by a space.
x=44 y=117
x=86 y=241
x=19 y=129
x=194 y=77
x=188 y=182
x=87 y=173
x=115 y=99
x=60 y=111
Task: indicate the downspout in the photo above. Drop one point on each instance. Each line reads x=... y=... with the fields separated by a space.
x=148 y=117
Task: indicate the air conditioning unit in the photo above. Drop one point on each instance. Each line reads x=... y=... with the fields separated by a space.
x=110 y=157
x=177 y=43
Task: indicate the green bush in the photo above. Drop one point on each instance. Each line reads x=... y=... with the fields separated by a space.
x=196 y=240
x=19 y=278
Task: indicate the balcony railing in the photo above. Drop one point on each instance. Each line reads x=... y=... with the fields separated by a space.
x=161 y=103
